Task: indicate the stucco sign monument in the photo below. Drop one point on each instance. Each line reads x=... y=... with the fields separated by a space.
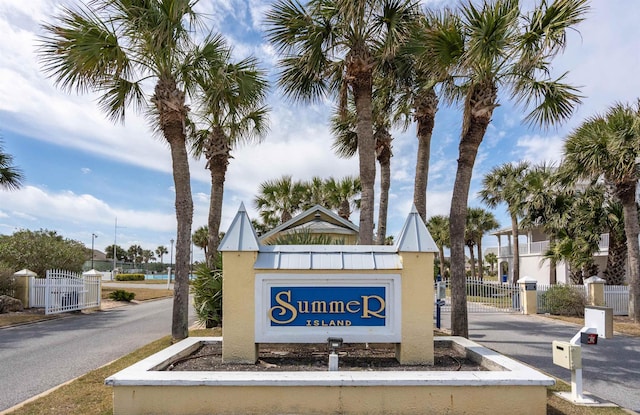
x=309 y=293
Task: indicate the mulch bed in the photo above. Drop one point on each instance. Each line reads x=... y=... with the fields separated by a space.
x=315 y=357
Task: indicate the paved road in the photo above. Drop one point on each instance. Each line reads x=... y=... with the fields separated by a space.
x=37 y=357
x=611 y=369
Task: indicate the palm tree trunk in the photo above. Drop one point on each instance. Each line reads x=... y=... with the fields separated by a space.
x=170 y=103
x=441 y=254
x=616 y=260
x=384 y=159
x=426 y=107
x=515 y=235
x=480 y=265
x=359 y=70
x=472 y=260
x=627 y=195
x=477 y=115
x=218 y=155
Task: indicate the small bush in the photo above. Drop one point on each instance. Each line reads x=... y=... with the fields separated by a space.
x=207 y=295
x=122 y=295
x=130 y=277
x=564 y=300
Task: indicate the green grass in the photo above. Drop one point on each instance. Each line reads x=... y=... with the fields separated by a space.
x=88 y=395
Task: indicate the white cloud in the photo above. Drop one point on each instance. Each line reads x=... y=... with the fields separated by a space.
x=538 y=149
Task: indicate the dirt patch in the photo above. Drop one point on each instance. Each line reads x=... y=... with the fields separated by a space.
x=315 y=357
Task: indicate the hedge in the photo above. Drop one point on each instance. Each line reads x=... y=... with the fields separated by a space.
x=130 y=277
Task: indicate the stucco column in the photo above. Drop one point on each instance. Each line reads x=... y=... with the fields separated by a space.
x=595 y=288
x=417 y=309
x=528 y=295
x=22 y=290
x=238 y=311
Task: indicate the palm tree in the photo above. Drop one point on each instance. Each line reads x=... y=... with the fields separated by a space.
x=492 y=259
x=10 y=176
x=488 y=223
x=233 y=114
x=333 y=47
x=499 y=49
x=607 y=146
x=345 y=144
x=161 y=251
x=438 y=227
x=316 y=193
x=342 y=195
x=505 y=184
x=280 y=199
x=418 y=100
x=114 y=48
x=201 y=238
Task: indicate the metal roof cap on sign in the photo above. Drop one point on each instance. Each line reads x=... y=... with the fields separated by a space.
x=241 y=236
x=415 y=236
x=323 y=257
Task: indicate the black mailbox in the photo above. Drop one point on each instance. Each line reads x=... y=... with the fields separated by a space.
x=529 y=286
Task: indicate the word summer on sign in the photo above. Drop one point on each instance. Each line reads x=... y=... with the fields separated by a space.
x=327 y=306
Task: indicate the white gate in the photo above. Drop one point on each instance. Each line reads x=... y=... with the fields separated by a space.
x=69 y=291
x=485 y=296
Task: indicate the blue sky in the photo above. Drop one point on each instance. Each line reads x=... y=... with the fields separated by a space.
x=81 y=171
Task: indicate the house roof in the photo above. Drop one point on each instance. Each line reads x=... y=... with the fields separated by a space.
x=316 y=219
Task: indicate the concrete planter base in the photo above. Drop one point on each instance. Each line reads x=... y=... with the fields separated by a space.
x=508 y=387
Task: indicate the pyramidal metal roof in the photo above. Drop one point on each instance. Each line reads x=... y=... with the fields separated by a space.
x=415 y=236
x=241 y=236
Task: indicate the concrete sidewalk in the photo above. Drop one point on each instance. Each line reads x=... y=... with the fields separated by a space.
x=611 y=369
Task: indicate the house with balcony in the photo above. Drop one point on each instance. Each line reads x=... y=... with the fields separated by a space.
x=533 y=244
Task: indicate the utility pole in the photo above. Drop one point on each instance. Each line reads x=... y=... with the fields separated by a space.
x=93 y=254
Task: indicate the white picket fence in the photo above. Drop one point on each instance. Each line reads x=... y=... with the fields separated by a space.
x=615 y=296
x=62 y=291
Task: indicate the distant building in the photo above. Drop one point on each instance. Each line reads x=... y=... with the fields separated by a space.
x=317 y=221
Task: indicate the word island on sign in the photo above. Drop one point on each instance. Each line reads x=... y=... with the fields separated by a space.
x=327 y=306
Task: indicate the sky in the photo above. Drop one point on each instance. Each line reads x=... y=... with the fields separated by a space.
x=84 y=175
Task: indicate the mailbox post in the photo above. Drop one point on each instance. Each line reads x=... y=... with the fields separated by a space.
x=569 y=354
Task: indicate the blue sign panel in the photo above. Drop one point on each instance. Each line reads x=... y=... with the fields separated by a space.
x=327 y=306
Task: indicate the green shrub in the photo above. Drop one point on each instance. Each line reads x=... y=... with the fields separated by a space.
x=564 y=300
x=130 y=277
x=207 y=295
x=7 y=282
x=122 y=295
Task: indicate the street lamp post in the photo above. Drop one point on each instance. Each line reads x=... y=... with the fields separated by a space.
x=93 y=237
x=170 y=263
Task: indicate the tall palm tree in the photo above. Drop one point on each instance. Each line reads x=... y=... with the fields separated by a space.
x=487 y=222
x=161 y=250
x=418 y=101
x=114 y=48
x=333 y=47
x=233 y=113
x=505 y=184
x=280 y=199
x=608 y=146
x=10 y=175
x=499 y=49
x=345 y=144
x=438 y=227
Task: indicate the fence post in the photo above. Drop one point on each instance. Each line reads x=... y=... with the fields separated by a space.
x=529 y=295
x=595 y=290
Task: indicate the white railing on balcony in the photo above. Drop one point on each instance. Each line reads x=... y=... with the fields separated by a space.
x=539 y=247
